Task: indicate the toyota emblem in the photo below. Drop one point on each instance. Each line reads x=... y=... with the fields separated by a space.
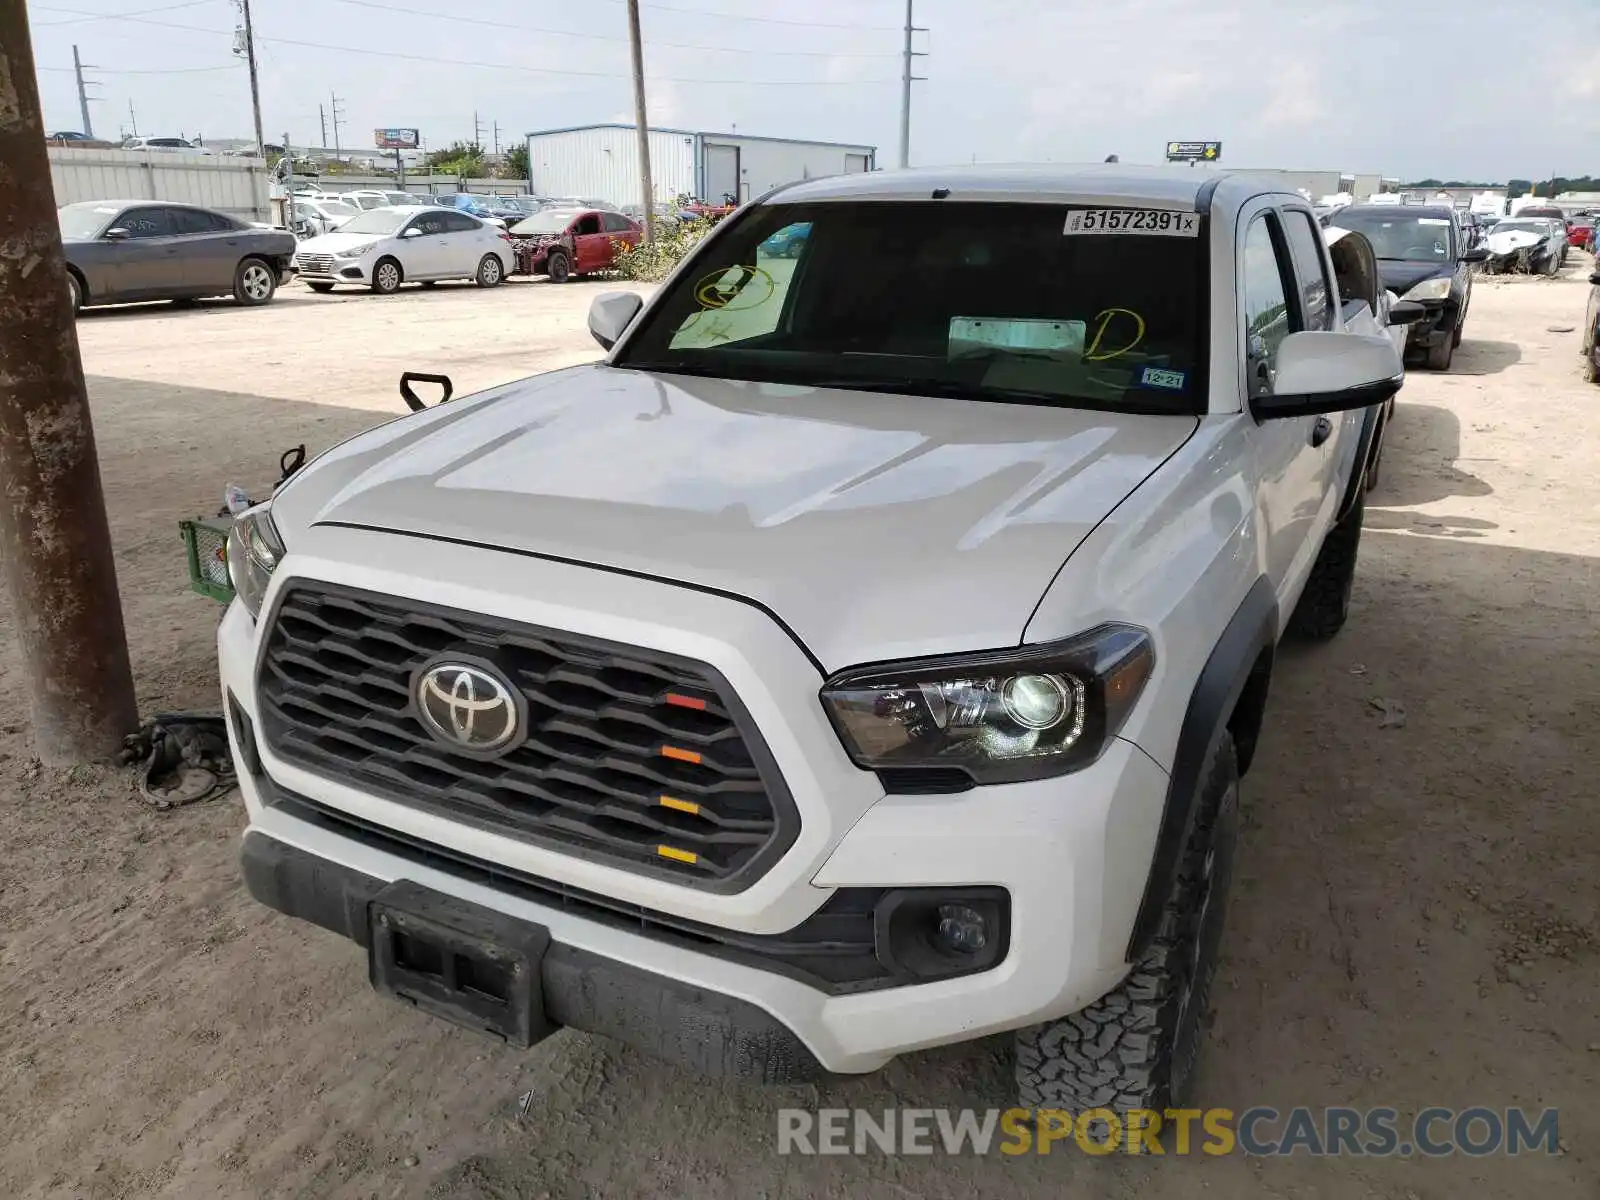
x=468 y=707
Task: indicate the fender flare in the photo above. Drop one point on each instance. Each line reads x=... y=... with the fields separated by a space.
x=1252 y=629
x=1366 y=446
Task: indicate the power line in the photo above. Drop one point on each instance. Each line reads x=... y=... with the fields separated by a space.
x=605 y=37
x=155 y=71
x=492 y=66
x=87 y=16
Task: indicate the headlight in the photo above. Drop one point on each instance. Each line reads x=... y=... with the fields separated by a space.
x=998 y=717
x=1430 y=289
x=254 y=549
x=355 y=251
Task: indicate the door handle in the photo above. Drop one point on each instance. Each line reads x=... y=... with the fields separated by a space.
x=1321 y=429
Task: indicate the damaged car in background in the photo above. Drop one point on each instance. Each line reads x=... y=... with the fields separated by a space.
x=562 y=243
x=1525 y=246
x=1422 y=257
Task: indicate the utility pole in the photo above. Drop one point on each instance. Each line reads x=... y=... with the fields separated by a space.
x=55 y=541
x=477 y=130
x=497 y=139
x=906 y=78
x=338 y=119
x=133 y=121
x=255 y=85
x=322 y=116
x=83 y=94
x=641 y=122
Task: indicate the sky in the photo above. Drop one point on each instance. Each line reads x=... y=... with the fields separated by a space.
x=1411 y=88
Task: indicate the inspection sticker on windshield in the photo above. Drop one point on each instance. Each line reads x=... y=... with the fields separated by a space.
x=1159 y=377
x=1158 y=221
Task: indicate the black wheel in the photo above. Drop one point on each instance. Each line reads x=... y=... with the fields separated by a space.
x=254 y=283
x=558 y=266
x=323 y=288
x=1455 y=337
x=74 y=293
x=1136 y=1046
x=490 y=271
x=1325 y=603
x=386 y=277
x=1440 y=354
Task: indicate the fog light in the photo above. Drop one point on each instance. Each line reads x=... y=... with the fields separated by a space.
x=962 y=929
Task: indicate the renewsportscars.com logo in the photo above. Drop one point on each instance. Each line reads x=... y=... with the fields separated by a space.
x=1260 y=1131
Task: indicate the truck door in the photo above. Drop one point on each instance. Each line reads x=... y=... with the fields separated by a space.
x=1297 y=459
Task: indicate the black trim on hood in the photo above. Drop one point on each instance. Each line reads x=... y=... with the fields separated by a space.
x=593 y=566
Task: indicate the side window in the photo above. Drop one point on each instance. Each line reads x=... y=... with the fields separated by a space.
x=460 y=223
x=430 y=223
x=589 y=224
x=196 y=220
x=145 y=222
x=1267 y=319
x=615 y=223
x=1305 y=239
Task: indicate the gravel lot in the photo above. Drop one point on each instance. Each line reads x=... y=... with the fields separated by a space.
x=1414 y=920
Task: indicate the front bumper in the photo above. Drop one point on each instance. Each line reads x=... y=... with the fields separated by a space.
x=1437 y=326
x=1072 y=854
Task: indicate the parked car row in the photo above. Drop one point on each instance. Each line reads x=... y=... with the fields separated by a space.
x=123 y=251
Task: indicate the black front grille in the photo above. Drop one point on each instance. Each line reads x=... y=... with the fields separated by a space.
x=632 y=756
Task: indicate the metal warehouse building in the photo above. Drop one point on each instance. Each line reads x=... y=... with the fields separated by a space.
x=601 y=162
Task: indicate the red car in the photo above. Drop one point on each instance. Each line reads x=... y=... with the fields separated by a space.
x=562 y=243
x=1581 y=235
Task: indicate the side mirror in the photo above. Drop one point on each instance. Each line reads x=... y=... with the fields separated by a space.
x=1321 y=372
x=1476 y=254
x=116 y=235
x=1594 y=278
x=413 y=232
x=610 y=314
x=1404 y=312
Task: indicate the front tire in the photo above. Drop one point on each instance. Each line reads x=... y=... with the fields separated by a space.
x=386 y=277
x=490 y=272
x=254 y=283
x=1325 y=604
x=75 y=293
x=1136 y=1046
x=321 y=288
x=1440 y=354
x=558 y=266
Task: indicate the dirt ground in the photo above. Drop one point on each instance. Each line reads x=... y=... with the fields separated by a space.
x=1414 y=920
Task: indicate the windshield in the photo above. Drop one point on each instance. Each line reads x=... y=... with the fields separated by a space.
x=976 y=301
x=544 y=222
x=377 y=220
x=1538 y=227
x=369 y=201
x=80 y=222
x=1400 y=235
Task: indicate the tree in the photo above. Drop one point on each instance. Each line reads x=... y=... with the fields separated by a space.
x=458 y=158
x=517 y=162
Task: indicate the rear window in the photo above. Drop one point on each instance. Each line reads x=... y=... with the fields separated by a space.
x=978 y=301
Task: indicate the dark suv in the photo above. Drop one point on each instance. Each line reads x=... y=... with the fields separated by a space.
x=1422 y=256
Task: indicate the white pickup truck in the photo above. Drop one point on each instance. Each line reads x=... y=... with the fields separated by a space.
x=862 y=658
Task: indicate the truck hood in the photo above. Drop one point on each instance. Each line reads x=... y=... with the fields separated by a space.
x=874 y=526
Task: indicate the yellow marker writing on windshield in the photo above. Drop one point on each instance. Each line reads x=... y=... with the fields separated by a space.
x=1104 y=319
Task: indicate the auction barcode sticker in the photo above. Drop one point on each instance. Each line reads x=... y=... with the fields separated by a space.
x=1159 y=222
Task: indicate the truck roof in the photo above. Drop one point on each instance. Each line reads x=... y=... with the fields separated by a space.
x=1118 y=183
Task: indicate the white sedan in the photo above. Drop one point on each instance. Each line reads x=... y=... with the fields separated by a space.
x=385 y=247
